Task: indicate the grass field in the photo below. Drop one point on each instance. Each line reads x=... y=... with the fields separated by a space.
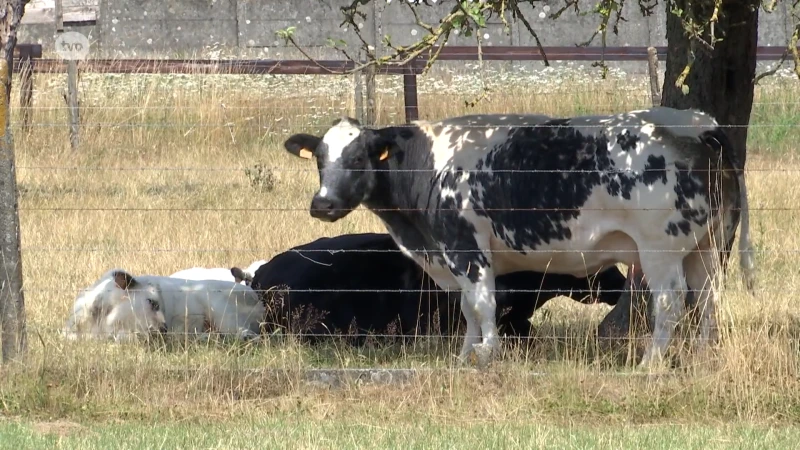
x=178 y=171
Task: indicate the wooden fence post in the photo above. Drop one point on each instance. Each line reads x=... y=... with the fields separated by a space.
x=12 y=299
x=72 y=102
x=358 y=93
x=25 y=88
x=369 y=110
x=652 y=70
x=77 y=50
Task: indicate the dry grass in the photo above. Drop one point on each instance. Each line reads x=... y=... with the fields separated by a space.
x=160 y=184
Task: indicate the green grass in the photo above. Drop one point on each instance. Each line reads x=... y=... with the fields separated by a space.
x=298 y=432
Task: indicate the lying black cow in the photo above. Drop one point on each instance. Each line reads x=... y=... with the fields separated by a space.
x=371 y=263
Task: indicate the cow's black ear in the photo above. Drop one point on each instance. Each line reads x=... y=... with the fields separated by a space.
x=302 y=145
x=238 y=274
x=379 y=145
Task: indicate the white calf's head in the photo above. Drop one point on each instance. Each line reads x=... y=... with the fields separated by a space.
x=118 y=306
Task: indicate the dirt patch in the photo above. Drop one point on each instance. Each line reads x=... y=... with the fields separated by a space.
x=59 y=427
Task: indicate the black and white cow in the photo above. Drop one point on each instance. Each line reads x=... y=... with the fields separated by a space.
x=653 y=188
x=363 y=280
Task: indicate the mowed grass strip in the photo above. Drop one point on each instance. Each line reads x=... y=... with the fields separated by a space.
x=306 y=433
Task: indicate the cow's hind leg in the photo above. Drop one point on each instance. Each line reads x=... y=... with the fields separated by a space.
x=701 y=269
x=667 y=285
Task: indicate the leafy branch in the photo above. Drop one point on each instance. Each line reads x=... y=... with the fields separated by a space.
x=699 y=19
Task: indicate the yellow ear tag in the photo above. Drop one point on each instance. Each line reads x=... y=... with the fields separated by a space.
x=385 y=154
x=305 y=154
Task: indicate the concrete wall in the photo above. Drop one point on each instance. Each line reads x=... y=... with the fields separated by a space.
x=246 y=28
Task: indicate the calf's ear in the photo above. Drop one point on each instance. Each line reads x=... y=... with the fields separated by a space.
x=238 y=274
x=302 y=145
x=123 y=279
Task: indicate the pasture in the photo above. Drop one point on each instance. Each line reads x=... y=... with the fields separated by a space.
x=181 y=171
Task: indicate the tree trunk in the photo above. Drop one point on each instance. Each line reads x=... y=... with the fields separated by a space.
x=720 y=81
x=12 y=301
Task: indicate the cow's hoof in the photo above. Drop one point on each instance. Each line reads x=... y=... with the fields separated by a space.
x=652 y=363
x=483 y=355
x=466 y=358
x=248 y=336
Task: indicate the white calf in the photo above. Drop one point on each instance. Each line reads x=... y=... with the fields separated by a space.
x=117 y=307
x=234 y=274
x=185 y=306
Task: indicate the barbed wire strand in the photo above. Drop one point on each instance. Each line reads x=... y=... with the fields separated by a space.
x=282 y=169
x=347 y=250
x=197 y=125
x=359 y=211
x=258 y=106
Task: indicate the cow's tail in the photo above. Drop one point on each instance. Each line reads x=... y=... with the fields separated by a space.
x=746 y=260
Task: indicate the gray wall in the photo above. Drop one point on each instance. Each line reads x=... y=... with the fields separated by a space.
x=246 y=28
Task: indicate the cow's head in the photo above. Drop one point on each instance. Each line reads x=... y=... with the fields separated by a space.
x=137 y=309
x=346 y=158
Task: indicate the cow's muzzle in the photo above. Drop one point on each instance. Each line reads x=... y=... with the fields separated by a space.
x=327 y=209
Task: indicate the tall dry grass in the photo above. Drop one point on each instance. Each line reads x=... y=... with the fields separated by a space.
x=161 y=183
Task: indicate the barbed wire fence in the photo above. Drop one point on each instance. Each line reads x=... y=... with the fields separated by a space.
x=79 y=122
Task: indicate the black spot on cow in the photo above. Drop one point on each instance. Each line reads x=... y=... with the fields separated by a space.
x=540 y=179
x=688 y=187
x=627 y=141
x=685 y=226
x=672 y=229
x=654 y=170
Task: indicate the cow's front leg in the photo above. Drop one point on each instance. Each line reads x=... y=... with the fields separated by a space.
x=473 y=333
x=478 y=306
x=486 y=307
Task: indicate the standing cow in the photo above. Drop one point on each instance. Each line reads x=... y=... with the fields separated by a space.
x=325 y=286
x=651 y=187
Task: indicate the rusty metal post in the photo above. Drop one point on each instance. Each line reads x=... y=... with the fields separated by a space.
x=410 y=96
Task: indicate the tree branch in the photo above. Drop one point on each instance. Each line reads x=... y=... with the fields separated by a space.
x=699 y=19
x=518 y=15
x=774 y=70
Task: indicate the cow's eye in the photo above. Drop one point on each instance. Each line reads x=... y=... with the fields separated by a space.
x=153 y=304
x=358 y=160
